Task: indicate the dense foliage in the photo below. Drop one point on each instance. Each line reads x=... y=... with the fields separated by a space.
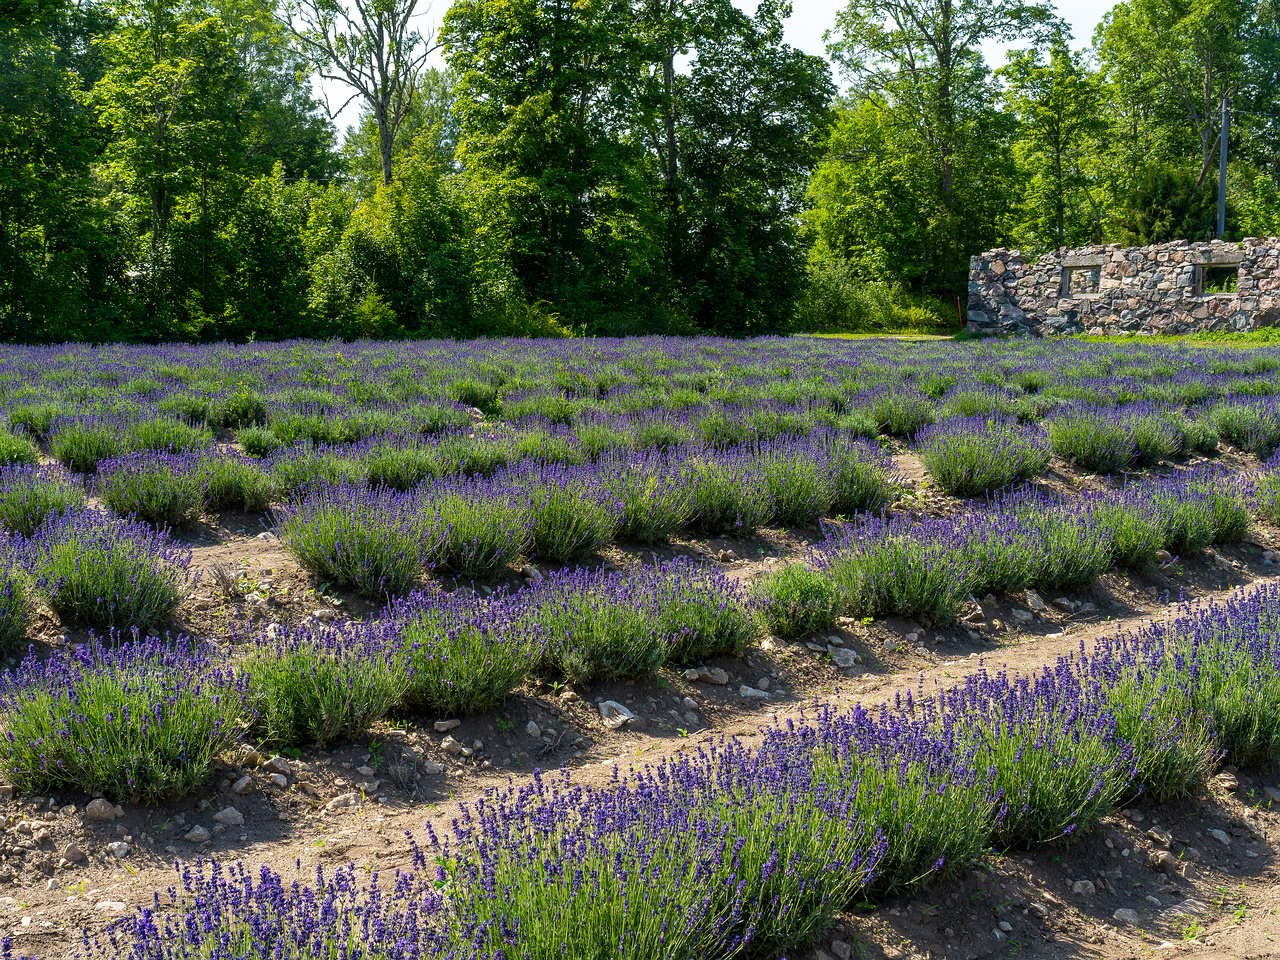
x=166 y=171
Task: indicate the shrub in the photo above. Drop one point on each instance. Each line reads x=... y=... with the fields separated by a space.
x=36 y=419
x=242 y=409
x=30 y=496
x=861 y=481
x=801 y=480
x=902 y=413
x=79 y=446
x=1267 y=496
x=570 y=519
x=1092 y=440
x=163 y=490
x=101 y=572
x=233 y=483
x=303 y=469
x=1136 y=532
x=257 y=442
x=796 y=601
x=16 y=606
x=486 y=528
x=142 y=722
x=458 y=655
x=15 y=449
x=373 y=541
x=655 y=501
x=729 y=495
x=895 y=567
x=318 y=686
x=971 y=456
x=1252 y=428
x=166 y=436
x=401 y=467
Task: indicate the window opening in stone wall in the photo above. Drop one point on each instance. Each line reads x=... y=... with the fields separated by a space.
x=1077 y=280
x=1217 y=279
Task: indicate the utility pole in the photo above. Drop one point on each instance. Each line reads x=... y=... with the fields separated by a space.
x=1222 y=167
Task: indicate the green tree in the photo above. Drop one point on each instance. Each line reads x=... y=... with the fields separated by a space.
x=920 y=59
x=429 y=131
x=1057 y=103
x=1164 y=203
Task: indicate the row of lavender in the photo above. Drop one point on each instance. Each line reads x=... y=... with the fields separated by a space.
x=737 y=851
x=129 y=723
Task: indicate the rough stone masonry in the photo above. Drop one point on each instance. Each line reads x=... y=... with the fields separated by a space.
x=1177 y=287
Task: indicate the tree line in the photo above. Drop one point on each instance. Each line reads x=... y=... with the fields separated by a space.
x=594 y=166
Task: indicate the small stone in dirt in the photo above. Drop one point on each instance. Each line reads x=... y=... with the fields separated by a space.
x=1161 y=838
x=844 y=658
x=343 y=801
x=243 y=785
x=1133 y=815
x=1153 y=901
x=713 y=675
x=614 y=714
x=816 y=647
x=688 y=703
x=111 y=906
x=762 y=683
x=325 y=615
x=1164 y=556
x=1272 y=793
x=6 y=791
x=444 y=726
x=691 y=674
x=1220 y=836
x=278 y=765
x=532 y=730
x=1039 y=909
x=1184 y=909
x=998 y=933
x=279 y=780
x=1088 y=607
x=1085 y=887
x=72 y=853
x=1063 y=604
x=118 y=849
x=197 y=834
x=451 y=746
x=835 y=641
x=1126 y=915
x=249 y=757
x=841 y=949
x=1035 y=602
x=1192 y=853
x=100 y=811
x=1006 y=926
x=1162 y=861
x=365 y=771
x=230 y=817
x=432 y=767
x=1024 y=616
x=1226 y=781
x=751 y=693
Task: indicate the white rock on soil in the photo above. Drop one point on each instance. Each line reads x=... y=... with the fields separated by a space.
x=713 y=675
x=118 y=849
x=343 y=801
x=751 y=693
x=844 y=658
x=111 y=906
x=278 y=765
x=365 y=771
x=230 y=817
x=1126 y=915
x=532 y=730
x=279 y=780
x=324 y=615
x=1025 y=616
x=197 y=835
x=1220 y=836
x=444 y=726
x=100 y=811
x=72 y=853
x=1084 y=887
x=614 y=714
x=451 y=746
x=432 y=767
x=242 y=786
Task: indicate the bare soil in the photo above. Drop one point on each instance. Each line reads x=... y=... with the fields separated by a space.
x=1220 y=900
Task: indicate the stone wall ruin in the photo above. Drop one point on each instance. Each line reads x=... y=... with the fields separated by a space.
x=1168 y=288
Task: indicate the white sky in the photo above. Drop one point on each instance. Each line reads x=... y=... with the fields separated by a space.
x=810 y=19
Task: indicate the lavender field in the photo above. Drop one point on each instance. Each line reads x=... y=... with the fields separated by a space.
x=482 y=523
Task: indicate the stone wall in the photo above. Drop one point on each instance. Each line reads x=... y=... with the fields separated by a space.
x=1177 y=287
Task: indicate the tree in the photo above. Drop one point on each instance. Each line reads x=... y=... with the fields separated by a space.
x=1057 y=103
x=429 y=133
x=921 y=60
x=1166 y=203
x=372 y=47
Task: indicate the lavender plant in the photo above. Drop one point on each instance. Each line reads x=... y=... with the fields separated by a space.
x=160 y=489
x=17 y=603
x=17 y=449
x=102 y=572
x=317 y=685
x=140 y=722
x=795 y=601
x=971 y=456
x=30 y=496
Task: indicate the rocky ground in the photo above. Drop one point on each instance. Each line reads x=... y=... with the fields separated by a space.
x=1196 y=878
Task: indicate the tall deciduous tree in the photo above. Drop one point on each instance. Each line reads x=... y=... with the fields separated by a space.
x=920 y=58
x=1058 y=105
x=373 y=47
